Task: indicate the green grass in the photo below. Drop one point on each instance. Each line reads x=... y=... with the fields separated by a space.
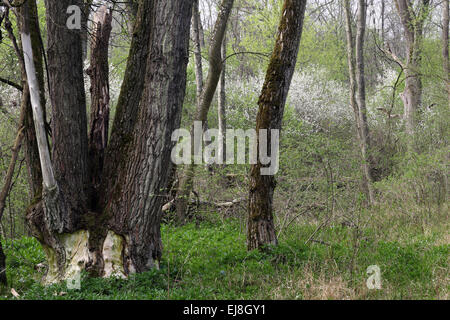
x=209 y=261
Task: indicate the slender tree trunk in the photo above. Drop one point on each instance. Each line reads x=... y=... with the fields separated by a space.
x=413 y=26
x=383 y=5
x=445 y=56
x=221 y=104
x=3 y=280
x=9 y=175
x=99 y=119
x=361 y=99
x=358 y=91
x=28 y=13
x=260 y=225
x=197 y=51
x=215 y=68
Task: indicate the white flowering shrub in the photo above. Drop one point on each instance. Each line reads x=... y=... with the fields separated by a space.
x=319 y=101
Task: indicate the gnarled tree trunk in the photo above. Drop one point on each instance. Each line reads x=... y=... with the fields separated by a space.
x=260 y=225
x=118 y=232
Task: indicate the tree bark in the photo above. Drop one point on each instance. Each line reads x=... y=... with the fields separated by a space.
x=197 y=51
x=222 y=104
x=67 y=96
x=3 y=280
x=260 y=225
x=136 y=208
x=84 y=28
x=445 y=56
x=128 y=101
x=123 y=234
x=358 y=90
x=215 y=69
x=413 y=28
x=99 y=119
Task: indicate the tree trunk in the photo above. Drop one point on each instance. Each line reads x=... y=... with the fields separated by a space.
x=358 y=90
x=29 y=12
x=382 y=20
x=215 y=68
x=445 y=56
x=413 y=26
x=3 y=280
x=221 y=105
x=84 y=28
x=67 y=96
x=260 y=225
x=197 y=51
x=136 y=208
x=128 y=101
x=123 y=235
x=99 y=119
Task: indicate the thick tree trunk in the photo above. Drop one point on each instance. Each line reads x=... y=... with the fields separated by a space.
x=136 y=210
x=99 y=119
x=65 y=179
x=445 y=56
x=260 y=225
x=67 y=96
x=215 y=69
x=123 y=235
x=128 y=101
x=358 y=90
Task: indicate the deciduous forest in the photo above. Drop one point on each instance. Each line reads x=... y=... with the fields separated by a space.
x=224 y=149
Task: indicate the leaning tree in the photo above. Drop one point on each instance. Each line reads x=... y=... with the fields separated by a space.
x=100 y=207
x=260 y=225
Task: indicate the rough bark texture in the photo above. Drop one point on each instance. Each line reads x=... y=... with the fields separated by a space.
x=67 y=96
x=136 y=210
x=128 y=101
x=358 y=90
x=122 y=235
x=207 y=95
x=413 y=28
x=99 y=118
x=445 y=56
x=260 y=225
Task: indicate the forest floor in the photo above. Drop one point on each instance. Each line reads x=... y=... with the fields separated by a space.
x=208 y=260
